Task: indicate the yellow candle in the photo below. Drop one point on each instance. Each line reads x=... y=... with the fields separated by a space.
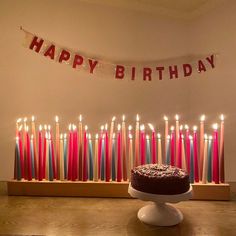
x=137 y=142
x=201 y=144
x=205 y=165
x=159 y=154
x=95 y=169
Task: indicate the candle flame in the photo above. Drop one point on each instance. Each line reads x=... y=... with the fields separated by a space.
x=215 y=126
x=130 y=136
x=113 y=118
x=165 y=118
x=18 y=120
x=20 y=128
x=32 y=118
x=123 y=118
x=190 y=137
x=86 y=127
x=74 y=127
x=61 y=136
x=186 y=127
x=46 y=135
x=49 y=127
x=70 y=126
x=137 y=118
x=222 y=117
x=194 y=128
x=102 y=127
x=96 y=136
x=27 y=128
x=80 y=118
x=182 y=136
x=177 y=117
x=40 y=127
x=65 y=135
x=181 y=127
x=210 y=137
x=25 y=119
x=45 y=127
x=203 y=117
x=113 y=135
x=205 y=136
x=106 y=126
x=159 y=135
x=130 y=127
x=32 y=136
x=168 y=136
x=118 y=127
x=17 y=138
x=147 y=136
x=89 y=136
x=142 y=127
x=151 y=126
x=56 y=119
x=172 y=128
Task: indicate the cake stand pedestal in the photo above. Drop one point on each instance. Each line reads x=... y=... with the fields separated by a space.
x=159 y=213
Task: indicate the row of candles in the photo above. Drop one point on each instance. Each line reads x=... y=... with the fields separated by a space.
x=75 y=156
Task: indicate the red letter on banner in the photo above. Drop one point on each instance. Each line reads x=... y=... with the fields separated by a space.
x=37 y=44
x=133 y=73
x=147 y=73
x=78 y=60
x=120 y=72
x=160 y=70
x=65 y=56
x=211 y=60
x=50 y=52
x=201 y=66
x=173 y=72
x=92 y=65
x=187 y=68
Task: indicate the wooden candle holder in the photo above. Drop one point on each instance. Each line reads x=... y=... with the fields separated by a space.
x=102 y=189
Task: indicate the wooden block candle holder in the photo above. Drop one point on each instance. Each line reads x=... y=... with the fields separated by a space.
x=103 y=189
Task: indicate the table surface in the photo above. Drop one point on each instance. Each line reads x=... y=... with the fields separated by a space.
x=103 y=216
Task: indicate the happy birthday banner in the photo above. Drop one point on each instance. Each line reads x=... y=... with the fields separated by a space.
x=147 y=71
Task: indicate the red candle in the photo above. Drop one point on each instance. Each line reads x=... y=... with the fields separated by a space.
x=179 y=156
x=80 y=148
x=107 y=157
x=85 y=170
x=142 y=148
x=119 y=172
x=70 y=153
x=154 y=157
x=29 y=167
x=222 y=166
x=57 y=147
x=44 y=151
x=75 y=154
x=195 y=153
x=187 y=148
x=172 y=140
x=215 y=155
x=40 y=153
x=177 y=139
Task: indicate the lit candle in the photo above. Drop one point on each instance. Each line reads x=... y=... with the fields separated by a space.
x=113 y=158
x=191 y=173
x=131 y=158
x=183 y=157
x=17 y=164
x=111 y=136
x=85 y=170
x=204 y=168
x=124 y=159
x=202 y=119
x=18 y=121
x=154 y=158
x=100 y=151
x=137 y=142
x=209 y=171
x=53 y=154
x=35 y=155
x=195 y=148
x=168 y=150
x=172 y=158
x=75 y=154
x=40 y=153
x=166 y=136
x=107 y=158
x=148 y=151
x=142 y=148
x=32 y=155
x=25 y=149
x=61 y=156
x=90 y=158
x=44 y=151
x=159 y=156
x=179 y=156
x=187 y=148
x=215 y=155
x=28 y=154
x=96 y=159
x=57 y=146
x=47 y=156
x=103 y=158
x=80 y=148
x=65 y=155
x=70 y=153
x=119 y=171
x=177 y=139
x=21 y=152
x=222 y=164
x=51 y=170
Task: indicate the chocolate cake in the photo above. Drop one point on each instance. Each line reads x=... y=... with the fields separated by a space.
x=159 y=179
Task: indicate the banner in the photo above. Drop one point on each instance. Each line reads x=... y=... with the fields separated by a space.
x=183 y=67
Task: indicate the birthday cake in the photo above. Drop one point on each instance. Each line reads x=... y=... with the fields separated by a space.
x=160 y=179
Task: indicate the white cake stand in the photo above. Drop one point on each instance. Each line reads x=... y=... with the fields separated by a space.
x=159 y=213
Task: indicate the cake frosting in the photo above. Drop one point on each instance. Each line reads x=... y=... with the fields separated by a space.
x=160 y=179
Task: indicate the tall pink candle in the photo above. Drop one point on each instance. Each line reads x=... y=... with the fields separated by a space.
x=80 y=148
x=35 y=147
x=70 y=153
x=25 y=149
x=40 y=153
x=154 y=157
x=29 y=167
x=177 y=139
x=44 y=151
x=179 y=156
x=222 y=165
x=57 y=147
x=119 y=171
x=215 y=155
x=166 y=134
x=107 y=157
x=142 y=148
x=201 y=145
x=137 y=142
x=75 y=154
x=124 y=156
x=187 y=148
x=111 y=137
x=85 y=167
x=172 y=141
x=100 y=151
x=195 y=152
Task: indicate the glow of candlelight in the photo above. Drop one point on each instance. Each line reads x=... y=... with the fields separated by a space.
x=210 y=137
x=25 y=119
x=130 y=127
x=40 y=127
x=215 y=126
x=222 y=117
x=147 y=136
x=165 y=118
x=102 y=127
x=181 y=127
x=177 y=117
x=190 y=137
x=106 y=126
x=65 y=135
x=32 y=136
x=18 y=120
x=137 y=117
x=20 y=127
x=61 y=136
x=186 y=127
x=32 y=118
x=172 y=128
x=168 y=137
x=89 y=136
x=70 y=126
x=80 y=117
x=118 y=127
x=151 y=126
x=96 y=136
x=130 y=136
x=86 y=127
x=158 y=135
x=142 y=127
x=56 y=119
x=203 y=117
x=194 y=128
x=113 y=118
x=113 y=135
x=49 y=127
x=205 y=136
x=123 y=118
x=45 y=127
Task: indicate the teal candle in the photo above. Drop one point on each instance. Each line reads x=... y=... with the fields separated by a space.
x=113 y=167
x=32 y=157
x=65 y=156
x=209 y=158
x=50 y=162
x=90 y=159
x=168 y=150
x=103 y=160
x=191 y=176
x=148 y=151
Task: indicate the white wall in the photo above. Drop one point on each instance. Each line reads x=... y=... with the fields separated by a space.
x=30 y=84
